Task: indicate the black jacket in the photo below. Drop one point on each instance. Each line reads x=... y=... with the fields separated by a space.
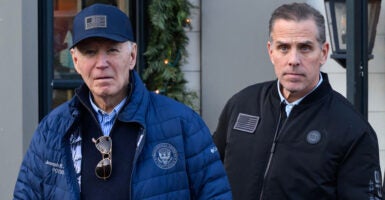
x=324 y=149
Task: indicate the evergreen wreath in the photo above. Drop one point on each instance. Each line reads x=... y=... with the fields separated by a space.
x=166 y=50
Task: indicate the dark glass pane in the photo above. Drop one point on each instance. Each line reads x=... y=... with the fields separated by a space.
x=61 y=96
x=90 y=2
x=64 y=12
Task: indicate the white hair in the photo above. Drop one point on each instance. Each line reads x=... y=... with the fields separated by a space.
x=130 y=44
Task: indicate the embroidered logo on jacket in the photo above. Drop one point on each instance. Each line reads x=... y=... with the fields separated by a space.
x=313 y=137
x=213 y=149
x=165 y=155
x=56 y=167
x=246 y=123
x=375 y=188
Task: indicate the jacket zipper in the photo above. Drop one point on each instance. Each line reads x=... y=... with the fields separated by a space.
x=272 y=150
x=139 y=147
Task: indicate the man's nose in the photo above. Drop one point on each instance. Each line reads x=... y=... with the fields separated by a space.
x=294 y=58
x=102 y=60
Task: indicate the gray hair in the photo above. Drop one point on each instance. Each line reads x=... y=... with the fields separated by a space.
x=129 y=45
x=298 y=12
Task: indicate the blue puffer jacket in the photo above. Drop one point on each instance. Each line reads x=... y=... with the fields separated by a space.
x=192 y=169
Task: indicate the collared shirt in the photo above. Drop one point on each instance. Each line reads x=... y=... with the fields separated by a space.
x=106 y=120
x=289 y=106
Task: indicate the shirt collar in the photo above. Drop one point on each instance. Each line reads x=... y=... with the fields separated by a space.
x=116 y=109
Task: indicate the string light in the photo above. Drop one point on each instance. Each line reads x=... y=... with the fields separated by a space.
x=166 y=61
x=188 y=20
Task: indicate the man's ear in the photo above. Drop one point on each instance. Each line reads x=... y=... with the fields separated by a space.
x=74 y=59
x=269 y=51
x=133 y=55
x=325 y=51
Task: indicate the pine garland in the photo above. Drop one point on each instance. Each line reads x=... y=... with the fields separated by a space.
x=166 y=50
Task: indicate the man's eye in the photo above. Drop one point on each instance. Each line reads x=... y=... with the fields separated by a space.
x=305 y=48
x=283 y=48
x=89 y=52
x=111 y=50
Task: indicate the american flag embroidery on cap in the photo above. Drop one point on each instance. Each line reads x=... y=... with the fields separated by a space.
x=95 y=21
x=246 y=123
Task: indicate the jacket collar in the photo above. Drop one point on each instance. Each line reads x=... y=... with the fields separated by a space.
x=136 y=105
x=321 y=91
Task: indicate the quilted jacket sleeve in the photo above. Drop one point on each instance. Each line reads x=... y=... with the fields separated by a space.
x=206 y=172
x=29 y=182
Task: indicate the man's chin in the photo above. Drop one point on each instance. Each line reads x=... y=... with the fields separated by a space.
x=102 y=93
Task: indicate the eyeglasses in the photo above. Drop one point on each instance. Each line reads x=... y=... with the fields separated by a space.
x=104 y=167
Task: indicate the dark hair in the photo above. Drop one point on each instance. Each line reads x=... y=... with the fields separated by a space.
x=298 y=12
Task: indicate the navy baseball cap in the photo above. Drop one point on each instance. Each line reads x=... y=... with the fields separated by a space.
x=102 y=20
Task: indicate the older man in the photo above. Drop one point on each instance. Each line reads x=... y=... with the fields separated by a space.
x=115 y=139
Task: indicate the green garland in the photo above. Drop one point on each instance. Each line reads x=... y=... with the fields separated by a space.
x=166 y=50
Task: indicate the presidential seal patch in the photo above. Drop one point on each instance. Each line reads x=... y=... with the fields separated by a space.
x=313 y=137
x=165 y=155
